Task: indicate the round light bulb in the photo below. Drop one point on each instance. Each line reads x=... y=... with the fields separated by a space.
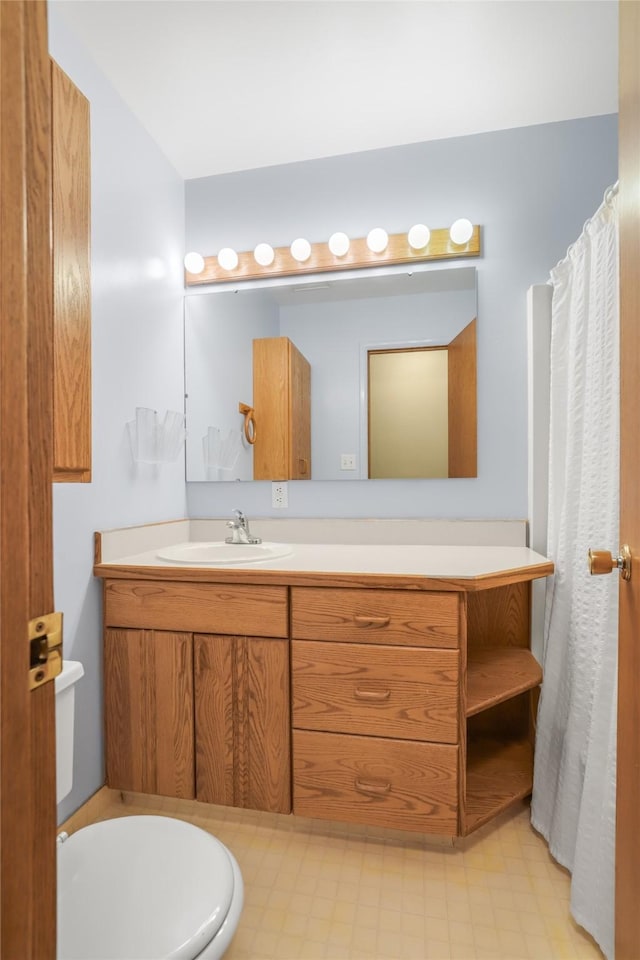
x=194 y=262
x=419 y=236
x=301 y=250
x=461 y=232
x=264 y=255
x=339 y=244
x=228 y=258
x=377 y=240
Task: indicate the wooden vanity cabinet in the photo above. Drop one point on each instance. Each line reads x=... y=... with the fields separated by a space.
x=193 y=714
x=411 y=709
x=403 y=707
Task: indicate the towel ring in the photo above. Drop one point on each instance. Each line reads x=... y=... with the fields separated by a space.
x=249 y=422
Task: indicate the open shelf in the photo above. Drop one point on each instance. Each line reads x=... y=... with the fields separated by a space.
x=499 y=772
x=495 y=674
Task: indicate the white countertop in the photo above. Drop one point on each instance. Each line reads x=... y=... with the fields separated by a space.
x=450 y=562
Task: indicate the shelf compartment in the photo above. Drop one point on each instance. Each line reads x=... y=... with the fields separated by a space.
x=499 y=773
x=496 y=674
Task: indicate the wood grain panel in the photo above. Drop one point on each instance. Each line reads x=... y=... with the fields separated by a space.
x=499 y=773
x=268 y=723
x=27 y=722
x=499 y=617
x=197 y=607
x=282 y=403
x=71 y=279
x=299 y=415
x=215 y=703
x=497 y=674
x=271 y=405
x=243 y=722
x=463 y=416
x=40 y=401
x=389 y=783
x=386 y=691
x=499 y=760
x=506 y=719
x=375 y=616
x=149 y=712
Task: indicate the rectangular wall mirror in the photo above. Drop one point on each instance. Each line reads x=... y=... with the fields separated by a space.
x=350 y=333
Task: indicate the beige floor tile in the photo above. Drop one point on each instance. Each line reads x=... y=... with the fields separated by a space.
x=321 y=891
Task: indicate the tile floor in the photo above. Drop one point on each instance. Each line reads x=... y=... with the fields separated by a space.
x=322 y=890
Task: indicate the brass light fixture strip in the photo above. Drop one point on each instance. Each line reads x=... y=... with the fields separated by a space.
x=440 y=247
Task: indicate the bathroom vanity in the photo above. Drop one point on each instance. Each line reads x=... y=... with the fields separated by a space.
x=385 y=685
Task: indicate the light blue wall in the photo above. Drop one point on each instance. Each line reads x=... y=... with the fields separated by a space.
x=334 y=337
x=137 y=236
x=531 y=188
x=220 y=328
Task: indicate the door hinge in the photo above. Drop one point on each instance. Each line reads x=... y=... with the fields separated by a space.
x=45 y=649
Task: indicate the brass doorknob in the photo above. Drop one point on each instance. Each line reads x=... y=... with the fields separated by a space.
x=601 y=561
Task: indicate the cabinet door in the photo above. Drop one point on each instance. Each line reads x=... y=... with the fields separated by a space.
x=243 y=722
x=71 y=199
x=148 y=681
x=271 y=404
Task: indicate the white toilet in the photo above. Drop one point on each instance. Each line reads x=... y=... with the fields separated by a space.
x=139 y=888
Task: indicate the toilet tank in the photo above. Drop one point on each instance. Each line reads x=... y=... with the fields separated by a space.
x=65 y=696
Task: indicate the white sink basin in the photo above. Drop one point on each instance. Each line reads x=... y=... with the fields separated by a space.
x=219 y=552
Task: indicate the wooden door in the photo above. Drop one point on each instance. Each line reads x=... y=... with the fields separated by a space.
x=27 y=734
x=628 y=773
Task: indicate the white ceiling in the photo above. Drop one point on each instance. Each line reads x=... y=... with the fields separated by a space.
x=225 y=85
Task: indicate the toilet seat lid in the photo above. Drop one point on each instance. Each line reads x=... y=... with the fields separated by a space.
x=141 y=887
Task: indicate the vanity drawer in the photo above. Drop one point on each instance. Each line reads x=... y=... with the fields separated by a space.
x=375 y=616
x=389 y=783
x=387 y=691
x=259 y=611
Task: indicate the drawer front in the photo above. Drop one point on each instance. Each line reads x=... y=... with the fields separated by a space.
x=375 y=616
x=386 y=691
x=389 y=783
x=197 y=607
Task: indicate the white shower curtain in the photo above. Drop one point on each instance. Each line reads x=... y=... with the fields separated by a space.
x=573 y=803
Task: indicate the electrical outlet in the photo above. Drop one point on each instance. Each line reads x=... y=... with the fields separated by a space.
x=279 y=494
x=347 y=461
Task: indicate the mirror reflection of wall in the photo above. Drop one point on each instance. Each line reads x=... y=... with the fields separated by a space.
x=408 y=413
x=334 y=324
x=422 y=417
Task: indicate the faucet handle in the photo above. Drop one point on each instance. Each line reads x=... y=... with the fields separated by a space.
x=240 y=517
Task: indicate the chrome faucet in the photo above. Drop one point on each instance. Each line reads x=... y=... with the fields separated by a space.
x=240 y=532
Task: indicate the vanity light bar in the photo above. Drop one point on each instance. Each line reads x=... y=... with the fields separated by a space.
x=320 y=259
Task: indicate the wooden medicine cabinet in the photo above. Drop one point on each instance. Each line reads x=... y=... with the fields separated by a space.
x=282 y=404
x=71 y=201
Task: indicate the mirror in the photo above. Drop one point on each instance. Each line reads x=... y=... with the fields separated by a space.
x=342 y=327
